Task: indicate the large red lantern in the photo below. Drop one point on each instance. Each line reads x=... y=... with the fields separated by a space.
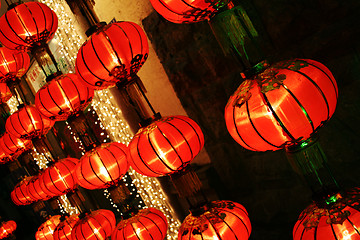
x=59 y=179
x=27 y=26
x=13 y=64
x=165 y=146
x=115 y=53
x=103 y=166
x=283 y=105
x=184 y=11
x=97 y=225
x=63 y=230
x=62 y=97
x=222 y=220
x=28 y=123
x=5 y=93
x=336 y=218
x=14 y=146
x=147 y=224
x=7 y=228
x=35 y=190
x=46 y=230
x=20 y=195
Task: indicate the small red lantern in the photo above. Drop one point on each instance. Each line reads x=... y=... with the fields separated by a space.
x=35 y=191
x=20 y=195
x=46 y=230
x=283 y=105
x=14 y=146
x=59 y=179
x=165 y=146
x=62 y=97
x=223 y=220
x=180 y=11
x=27 y=25
x=147 y=224
x=337 y=218
x=28 y=123
x=7 y=228
x=13 y=64
x=113 y=54
x=5 y=93
x=103 y=166
x=97 y=225
x=63 y=230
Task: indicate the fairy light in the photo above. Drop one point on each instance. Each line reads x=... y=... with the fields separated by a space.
x=12 y=103
x=76 y=138
x=65 y=206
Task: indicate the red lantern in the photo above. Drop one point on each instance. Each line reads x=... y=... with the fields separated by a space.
x=59 y=179
x=46 y=230
x=13 y=64
x=14 y=146
x=97 y=225
x=20 y=195
x=103 y=166
x=62 y=97
x=283 y=105
x=114 y=53
x=5 y=93
x=35 y=191
x=4 y=157
x=63 y=230
x=165 y=146
x=184 y=11
x=338 y=218
x=223 y=220
x=28 y=123
x=27 y=25
x=7 y=228
x=147 y=224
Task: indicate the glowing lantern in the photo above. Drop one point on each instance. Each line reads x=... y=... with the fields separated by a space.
x=59 y=179
x=35 y=191
x=103 y=166
x=62 y=97
x=283 y=105
x=183 y=11
x=5 y=93
x=147 y=224
x=28 y=123
x=223 y=220
x=63 y=230
x=27 y=25
x=7 y=228
x=46 y=230
x=20 y=194
x=165 y=146
x=13 y=64
x=97 y=225
x=113 y=54
x=14 y=146
x=337 y=218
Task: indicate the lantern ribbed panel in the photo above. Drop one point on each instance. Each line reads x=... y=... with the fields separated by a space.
x=62 y=97
x=35 y=189
x=224 y=220
x=20 y=195
x=285 y=104
x=165 y=146
x=98 y=225
x=103 y=166
x=113 y=54
x=46 y=230
x=63 y=230
x=14 y=146
x=7 y=228
x=5 y=93
x=185 y=11
x=147 y=224
x=59 y=179
x=13 y=64
x=28 y=123
x=27 y=25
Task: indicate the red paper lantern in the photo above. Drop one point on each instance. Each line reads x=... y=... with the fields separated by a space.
x=103 y=166
x=283 y=105
x=46 y=230
x=35 y=191
x=113 y=54
x=98 y=225
x=165 y=146
x=28 y=123
x=5 y=93
x=27 y=26
x=20 y=195
x=63 y=230
x=337 y=219
x=184 y=11
x=13 y=64
x=7 y=228
x=14 y=146
x=147 y=224
x=59 y=179
x=62 y=97
x=223 y=220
